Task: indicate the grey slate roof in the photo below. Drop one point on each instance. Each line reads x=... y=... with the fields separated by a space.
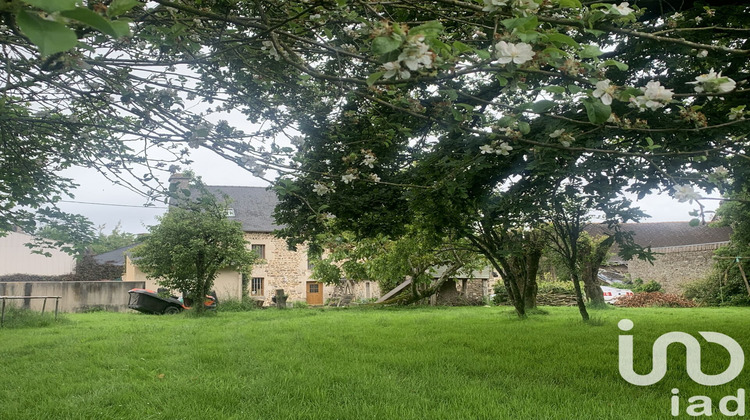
x=116 y=257
x=253 y=206
x=667 y=234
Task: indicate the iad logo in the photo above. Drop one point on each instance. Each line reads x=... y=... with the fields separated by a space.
x=700 y=405
x=693 y=353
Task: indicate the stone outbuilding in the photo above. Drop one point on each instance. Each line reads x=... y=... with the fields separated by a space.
x=683 y=252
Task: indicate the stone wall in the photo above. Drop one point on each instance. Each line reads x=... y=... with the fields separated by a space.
x=675 y=266
x=474 y=293
x=77 y=296
x=282 y=268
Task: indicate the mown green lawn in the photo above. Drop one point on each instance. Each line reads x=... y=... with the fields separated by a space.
x=421 y=363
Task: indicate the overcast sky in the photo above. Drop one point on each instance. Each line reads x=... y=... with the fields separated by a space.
x=116 y=204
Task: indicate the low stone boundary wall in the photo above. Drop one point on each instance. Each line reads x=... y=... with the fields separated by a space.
x=77 y=296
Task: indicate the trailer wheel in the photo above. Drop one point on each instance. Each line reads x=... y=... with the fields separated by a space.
x=171 y=310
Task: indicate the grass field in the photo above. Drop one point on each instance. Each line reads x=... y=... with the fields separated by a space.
x=421 y=363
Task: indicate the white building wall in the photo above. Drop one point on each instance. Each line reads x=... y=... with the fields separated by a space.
x=16 y=258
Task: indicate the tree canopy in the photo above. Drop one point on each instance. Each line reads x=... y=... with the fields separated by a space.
x=443 y=111
x=192 y=242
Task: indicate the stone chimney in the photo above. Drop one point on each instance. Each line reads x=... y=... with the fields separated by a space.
x=177 y=183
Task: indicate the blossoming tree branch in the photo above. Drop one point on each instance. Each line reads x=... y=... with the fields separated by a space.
x=644 y=96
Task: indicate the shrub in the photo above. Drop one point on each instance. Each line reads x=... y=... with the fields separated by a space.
x=648 y=287
x=501 y=294
x=237 y=305
x=648 y=299
x=557 y=287
x=299 y=304
x=718 y=290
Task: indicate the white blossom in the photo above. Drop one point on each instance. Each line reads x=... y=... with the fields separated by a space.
x=655 y=91
x=493 y=5
x=268 y=46
x=604 y=91
x=713 y=82
x=351 y=32
x=374 y=178
x=737 y=113
x=393 y=68
x=557 y=133
x=655 y=96
x=698 y=19
x=565 y=138
x=685 y=193
x=416 y=55
x=527 y=6
x=347 y=178
x=487 y=149
x=321 y=189
x=623 y=9
x=721 y=172
x=297 y=141
x=498 y=149
x=518 y=53
x=702 y=54
x=503 y=149
x=369 y=159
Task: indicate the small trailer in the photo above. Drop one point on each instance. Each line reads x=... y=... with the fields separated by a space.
x=150 y=302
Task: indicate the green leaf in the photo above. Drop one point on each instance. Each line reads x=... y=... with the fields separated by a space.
x=555 y=53
x=695 y=222
x=119 y=7
x=431 y=28
x=53 y=5
x=371 y=79
x=569 y=4
x=121 y=27
x=524 y=127
x=554 y=89
x=90 y=18
x=620 y=65
x=502 y=80
x=524 y=23
x=385 y=44
x=450 y=93
x=542 y=106
x=460 y=48
x=590 y=51
x=573 y=89
x=50 y=37
x=506 y=121
x=597 y=112
x=597 y=33
x=629 y=92
x=484 y=54
x=562 y=39
x=527 y=36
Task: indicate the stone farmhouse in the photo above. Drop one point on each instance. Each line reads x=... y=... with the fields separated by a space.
x=683 y=252
x=278 y=268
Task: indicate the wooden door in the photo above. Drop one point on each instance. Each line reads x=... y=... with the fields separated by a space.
x=314 y=293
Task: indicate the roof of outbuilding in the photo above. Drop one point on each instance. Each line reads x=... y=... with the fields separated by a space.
x=116 y=257
x=253 y=206
x=667 y=234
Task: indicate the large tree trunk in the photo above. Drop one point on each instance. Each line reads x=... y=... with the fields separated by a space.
x=579 y=295
x=592 y=260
